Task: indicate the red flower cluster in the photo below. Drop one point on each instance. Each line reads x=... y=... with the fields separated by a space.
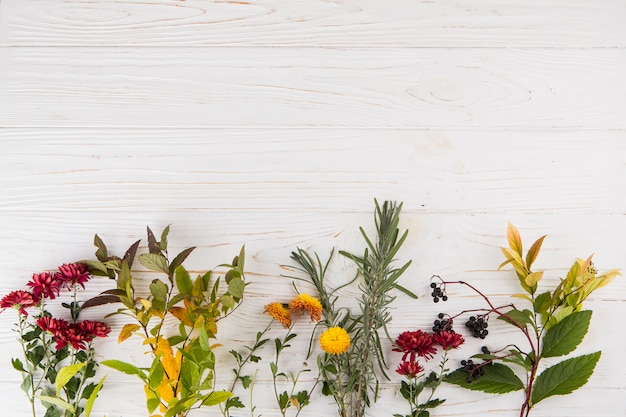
x=19 y=300
x=78 y=335
x=421 y=344
x=48 y=285
x=415 y=343
x=72 y=274
x=448 y=340
x=410 y=369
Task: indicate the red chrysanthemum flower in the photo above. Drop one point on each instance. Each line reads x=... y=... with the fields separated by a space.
x=20 y=300
x=72 y=335
x=52 y=325
x=45 y=285
x=415 y=343
x=410 y=369
x=95 y=328
x=72 y=274
x=448 y=340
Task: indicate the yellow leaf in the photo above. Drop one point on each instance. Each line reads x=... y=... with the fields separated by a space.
x=515 y=241
x=533 y=278
x=145 y=303
x=181 y=314
x=524 y=296
x=127 y=331
x=216 y=345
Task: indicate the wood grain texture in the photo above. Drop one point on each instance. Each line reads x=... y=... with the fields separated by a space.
x=509 y=171
x=290 y=87
x=334 y=23
x=274 y=125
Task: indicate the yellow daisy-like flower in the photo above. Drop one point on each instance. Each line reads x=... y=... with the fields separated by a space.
x=335 y=340
x=304 y=302
x=278 y=312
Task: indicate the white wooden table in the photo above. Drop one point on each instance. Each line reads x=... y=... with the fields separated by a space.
x=275 y=124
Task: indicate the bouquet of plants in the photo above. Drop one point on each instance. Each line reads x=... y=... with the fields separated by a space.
x=57 y=363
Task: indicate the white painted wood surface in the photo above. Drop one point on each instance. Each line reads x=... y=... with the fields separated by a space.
x=275 y=124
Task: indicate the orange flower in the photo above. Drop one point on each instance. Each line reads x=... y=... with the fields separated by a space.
x=304 y=302
x=278 y=312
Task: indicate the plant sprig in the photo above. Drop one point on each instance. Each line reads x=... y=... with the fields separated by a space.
x=182 y=373
x=554 y=325
x=350 y=373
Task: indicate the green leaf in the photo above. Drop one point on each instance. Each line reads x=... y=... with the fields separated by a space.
x=542 y=302
x=65 y=374
x=163 y=241
x=18 y=365
x=154 y=262
x=124 y=367
x=56 y=401
x=101 y=253
x=497 y=379
x=159 y=291
x=155 y=376
x=183 y=281
x=564 y=377
x=522 y=318
x=93 y=396
x=566 y=335
x=203 y=338
x=236 y=287
x=216 y=397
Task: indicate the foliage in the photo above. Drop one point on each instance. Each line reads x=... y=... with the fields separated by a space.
x=554 y=325
x=57 y=363
x=352 y=377
x=291 y=398
x=182 y=373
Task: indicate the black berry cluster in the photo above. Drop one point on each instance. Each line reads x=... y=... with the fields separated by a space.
x=442 y=324
x=474 y=370
x=478 y=326
x=439 y=292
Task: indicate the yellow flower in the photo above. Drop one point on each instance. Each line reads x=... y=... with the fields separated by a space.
x=335 y=340
x=304 y=302
x=278 y=312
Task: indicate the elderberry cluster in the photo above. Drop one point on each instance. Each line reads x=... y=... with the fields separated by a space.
x=474 y=370
x=442 y=324
x=439 y=292
x=478 y=326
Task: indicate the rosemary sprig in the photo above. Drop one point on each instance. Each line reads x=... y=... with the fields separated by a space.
x=352 y=378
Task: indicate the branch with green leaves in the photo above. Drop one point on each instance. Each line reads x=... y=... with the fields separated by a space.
x=182 y=376
x=553 y=325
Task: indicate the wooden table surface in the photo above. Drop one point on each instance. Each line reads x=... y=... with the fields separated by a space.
x=275 y=124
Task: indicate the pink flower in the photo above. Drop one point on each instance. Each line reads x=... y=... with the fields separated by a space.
x=415 y=343
x=45 y=285
x=72 y=274
x=20 y=300
x=448 y=340
x=410 y=369
x=95 y=328
x=52 y=325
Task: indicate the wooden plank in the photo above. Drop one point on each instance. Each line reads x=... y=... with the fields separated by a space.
x=257 y=87
x=457 y=246
x=363 y=24
x=282 y=170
